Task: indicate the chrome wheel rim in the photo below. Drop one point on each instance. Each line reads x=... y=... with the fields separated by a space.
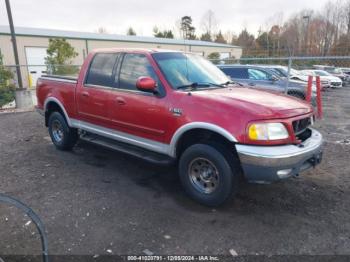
x=203 y=175
x=57 y=131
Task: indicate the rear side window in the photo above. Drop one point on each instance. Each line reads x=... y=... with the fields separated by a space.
x=101 y=70
x=239 y=73
x=134 y=66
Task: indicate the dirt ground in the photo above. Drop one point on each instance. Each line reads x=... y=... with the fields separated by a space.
x=97 y=202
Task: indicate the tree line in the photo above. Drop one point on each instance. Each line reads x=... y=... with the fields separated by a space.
x=308 y=32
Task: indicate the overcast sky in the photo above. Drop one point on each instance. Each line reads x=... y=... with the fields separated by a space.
x=117 y=15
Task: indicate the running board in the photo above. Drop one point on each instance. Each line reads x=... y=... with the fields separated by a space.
x=144 y=154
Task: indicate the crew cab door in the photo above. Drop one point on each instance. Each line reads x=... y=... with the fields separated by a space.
x=137 y=112
x=93 y=96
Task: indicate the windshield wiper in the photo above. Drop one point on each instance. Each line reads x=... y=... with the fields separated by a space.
x=194 y=85
x=231 y=82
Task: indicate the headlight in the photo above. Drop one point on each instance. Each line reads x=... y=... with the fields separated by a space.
x=267 y=131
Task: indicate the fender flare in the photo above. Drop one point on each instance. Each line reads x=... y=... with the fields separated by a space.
x=197 y=125
x=55 y=100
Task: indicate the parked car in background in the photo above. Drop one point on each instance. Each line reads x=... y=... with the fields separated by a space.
x=282 y=71
x=324 y=75
x=176 y=108
x=345 y=70
x=265 y=79
x=279 y=70
x=334 y=71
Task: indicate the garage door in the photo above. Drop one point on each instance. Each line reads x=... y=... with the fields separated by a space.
x=36 y=63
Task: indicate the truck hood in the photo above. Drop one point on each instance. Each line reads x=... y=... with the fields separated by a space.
x=261 y=104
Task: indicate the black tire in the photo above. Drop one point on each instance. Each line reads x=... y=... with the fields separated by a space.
x=225 y=168
x=62 y=136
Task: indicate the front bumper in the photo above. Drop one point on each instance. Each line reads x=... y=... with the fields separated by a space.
x=336 y=84
x=266 y=164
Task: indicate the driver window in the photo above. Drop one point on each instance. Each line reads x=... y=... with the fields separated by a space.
x=255 y=74
x=133 y=67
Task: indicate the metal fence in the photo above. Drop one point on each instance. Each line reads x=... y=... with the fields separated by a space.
x=334 y=72
x=283 y=67
x=30 y=74
x=338 y=66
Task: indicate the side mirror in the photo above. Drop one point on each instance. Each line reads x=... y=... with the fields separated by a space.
x=274 y=78
x=146 y=84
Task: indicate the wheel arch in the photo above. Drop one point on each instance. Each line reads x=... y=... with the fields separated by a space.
x=52 y=104
x=197 y=131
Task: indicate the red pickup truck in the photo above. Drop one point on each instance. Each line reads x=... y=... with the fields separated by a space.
x=173 y=107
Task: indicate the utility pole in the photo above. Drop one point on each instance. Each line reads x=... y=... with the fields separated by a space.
x=14 y=45
x=23 y=97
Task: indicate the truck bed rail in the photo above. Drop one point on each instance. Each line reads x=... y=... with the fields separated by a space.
x=69 y=79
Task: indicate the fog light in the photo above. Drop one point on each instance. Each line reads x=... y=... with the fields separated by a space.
x=284 y=173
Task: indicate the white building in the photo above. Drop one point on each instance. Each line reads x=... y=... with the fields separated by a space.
x=33 y=42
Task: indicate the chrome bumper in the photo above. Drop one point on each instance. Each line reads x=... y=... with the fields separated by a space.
x=265 y=164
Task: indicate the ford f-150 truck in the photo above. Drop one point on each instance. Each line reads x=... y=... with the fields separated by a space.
x=173 y=107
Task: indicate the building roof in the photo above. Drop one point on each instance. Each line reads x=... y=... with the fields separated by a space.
x=42 y=32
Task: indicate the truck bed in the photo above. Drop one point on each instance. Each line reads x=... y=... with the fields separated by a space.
x=61 y=88
x=72 y=79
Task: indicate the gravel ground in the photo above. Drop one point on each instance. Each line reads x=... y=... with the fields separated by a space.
x=95 y=201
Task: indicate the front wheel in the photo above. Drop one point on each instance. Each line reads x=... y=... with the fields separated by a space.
x=206 y=174
x=62 y=136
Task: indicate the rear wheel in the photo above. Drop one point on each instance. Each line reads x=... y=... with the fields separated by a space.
x=62 y=136
x=207 y=174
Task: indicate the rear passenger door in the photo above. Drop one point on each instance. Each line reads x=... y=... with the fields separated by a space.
x=136 y=112
x=93 y=96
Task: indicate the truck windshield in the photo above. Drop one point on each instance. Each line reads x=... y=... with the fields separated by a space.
x=186 y=69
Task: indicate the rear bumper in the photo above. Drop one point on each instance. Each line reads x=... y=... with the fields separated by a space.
x=266 y=164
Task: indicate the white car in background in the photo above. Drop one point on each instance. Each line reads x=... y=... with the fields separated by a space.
x=324 y=76
x=302 y=76
x=282 y=71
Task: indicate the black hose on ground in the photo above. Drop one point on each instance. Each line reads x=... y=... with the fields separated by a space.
x=34 y=217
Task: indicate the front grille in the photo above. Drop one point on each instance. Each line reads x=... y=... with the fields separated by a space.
x=304 y=135
x=301 y=125
x=335 y=83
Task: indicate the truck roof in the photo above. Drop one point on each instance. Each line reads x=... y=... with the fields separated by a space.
x=141 y=50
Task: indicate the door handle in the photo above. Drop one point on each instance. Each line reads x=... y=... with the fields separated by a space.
x=251 y=84
x=85 y=94
x=120 y=101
